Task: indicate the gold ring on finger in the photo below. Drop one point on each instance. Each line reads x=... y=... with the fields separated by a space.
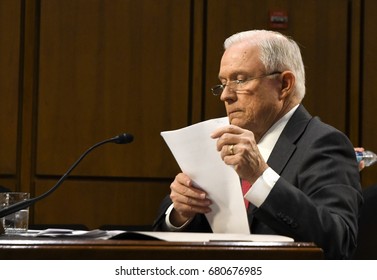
x=231 y=149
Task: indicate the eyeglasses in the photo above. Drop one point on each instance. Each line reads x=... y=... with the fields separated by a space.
x=237 y=85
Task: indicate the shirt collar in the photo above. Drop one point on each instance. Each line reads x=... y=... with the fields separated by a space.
x=269 y=139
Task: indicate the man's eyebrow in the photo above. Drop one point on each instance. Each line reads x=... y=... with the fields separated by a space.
x=234 y=74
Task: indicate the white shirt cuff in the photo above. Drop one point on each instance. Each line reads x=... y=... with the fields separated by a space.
x=262 y=187
x=169 y=225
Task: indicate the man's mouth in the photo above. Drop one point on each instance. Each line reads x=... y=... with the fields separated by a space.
x=234 y=112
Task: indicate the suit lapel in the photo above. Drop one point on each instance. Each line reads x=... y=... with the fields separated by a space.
x=286 y=144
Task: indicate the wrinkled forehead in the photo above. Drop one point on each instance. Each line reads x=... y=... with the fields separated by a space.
x=241 y=57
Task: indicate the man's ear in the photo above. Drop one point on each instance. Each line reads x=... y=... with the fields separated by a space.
x=287 y=84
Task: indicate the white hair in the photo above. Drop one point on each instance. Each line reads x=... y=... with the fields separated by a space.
x=277 y=53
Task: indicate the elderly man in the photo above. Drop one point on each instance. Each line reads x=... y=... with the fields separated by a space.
x=302 y=174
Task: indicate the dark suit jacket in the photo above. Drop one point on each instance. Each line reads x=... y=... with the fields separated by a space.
x=318 y=195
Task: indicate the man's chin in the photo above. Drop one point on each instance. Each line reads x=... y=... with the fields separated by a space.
x=236 y=122
x=242 y=124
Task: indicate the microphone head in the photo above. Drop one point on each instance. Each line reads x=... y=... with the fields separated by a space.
x=123 y=138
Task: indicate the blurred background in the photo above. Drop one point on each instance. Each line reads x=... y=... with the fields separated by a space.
x=75 y=72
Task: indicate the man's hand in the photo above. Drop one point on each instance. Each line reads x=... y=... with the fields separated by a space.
x=361 y=163
x=238 y=148
x=187 y=200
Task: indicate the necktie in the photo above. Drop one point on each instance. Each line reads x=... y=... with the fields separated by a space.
x=245 y=188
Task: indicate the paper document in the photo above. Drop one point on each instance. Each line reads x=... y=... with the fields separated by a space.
x=196 y=154
x=203 y=237
x=66 y=233
x=196 y=236
x=98 y=234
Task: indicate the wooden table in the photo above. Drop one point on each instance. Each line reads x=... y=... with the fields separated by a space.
x=84 y=249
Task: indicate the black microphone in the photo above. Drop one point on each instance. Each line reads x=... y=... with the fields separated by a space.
x=124 y=138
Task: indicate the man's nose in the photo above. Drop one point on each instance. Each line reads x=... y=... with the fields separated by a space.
x=228 y=94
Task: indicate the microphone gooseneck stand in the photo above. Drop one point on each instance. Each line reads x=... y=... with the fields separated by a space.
x=124 y=138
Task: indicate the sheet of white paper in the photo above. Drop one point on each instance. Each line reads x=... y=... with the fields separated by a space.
x=167 y=236
x=205 y=237
x=196 y=154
